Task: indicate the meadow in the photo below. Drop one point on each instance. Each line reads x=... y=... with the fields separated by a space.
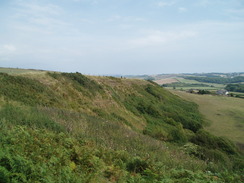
x=224 y=115
x=187 y=84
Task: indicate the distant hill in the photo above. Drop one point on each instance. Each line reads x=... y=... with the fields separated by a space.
x=18 y=71
x=68 y=127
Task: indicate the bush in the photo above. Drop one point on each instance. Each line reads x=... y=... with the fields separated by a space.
x=207 y=140
x=137 y=165
x=4 y=175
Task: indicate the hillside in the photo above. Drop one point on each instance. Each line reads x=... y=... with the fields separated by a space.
x=67 y=127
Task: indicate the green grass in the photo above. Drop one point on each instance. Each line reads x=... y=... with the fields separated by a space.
x=183 y=85
x=225 y=115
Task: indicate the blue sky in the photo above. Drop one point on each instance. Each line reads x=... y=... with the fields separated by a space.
x=102 y=37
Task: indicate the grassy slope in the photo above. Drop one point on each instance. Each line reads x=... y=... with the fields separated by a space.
x=136 y=129
x=225 y=114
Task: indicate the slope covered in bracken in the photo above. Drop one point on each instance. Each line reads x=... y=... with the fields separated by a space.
x=68 y=127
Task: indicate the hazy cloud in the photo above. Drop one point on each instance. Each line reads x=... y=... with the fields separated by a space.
x=159 y=37
x=9 y=47
x=165 y=3
x=6 y=51
x=112 y=35
x=31 y=8
x=182 y=9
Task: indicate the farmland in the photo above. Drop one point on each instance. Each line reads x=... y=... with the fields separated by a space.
x=196 y=81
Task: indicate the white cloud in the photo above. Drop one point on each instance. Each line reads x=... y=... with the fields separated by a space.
x=182 y=10
x=159 y=37
x=164 y=3
x=34 y=9
x=85 y=20
x=204 y=3
x=237 y=11
x=36 y=17
x=8 y=48
x=48 y=21
x=118 y=18
x=92 y=2
x=6 y=51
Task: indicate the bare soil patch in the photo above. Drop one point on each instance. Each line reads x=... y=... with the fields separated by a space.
x=166 y=81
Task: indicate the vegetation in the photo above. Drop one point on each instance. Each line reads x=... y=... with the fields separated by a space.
x=217 y=79
x=235 y=87
x=179 y=84
x=202 y=92
x=67 y=127
x=26 y=90
x=224 y=115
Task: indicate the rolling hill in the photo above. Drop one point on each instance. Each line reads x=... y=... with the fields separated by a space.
x=68 y=127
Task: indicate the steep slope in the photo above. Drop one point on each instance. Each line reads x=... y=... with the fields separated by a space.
x=131 y=131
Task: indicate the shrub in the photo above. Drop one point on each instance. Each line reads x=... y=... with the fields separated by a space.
x=207 y=140
x=4 y=175
x=137 y=165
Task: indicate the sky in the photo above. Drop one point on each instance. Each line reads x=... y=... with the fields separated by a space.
x=104 y=37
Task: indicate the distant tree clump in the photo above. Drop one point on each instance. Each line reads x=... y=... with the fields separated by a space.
x=202 y=92
x=235 y=87
x=219 y=80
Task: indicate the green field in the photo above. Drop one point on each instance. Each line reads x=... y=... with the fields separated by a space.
x=225 y=115
x=184 y=85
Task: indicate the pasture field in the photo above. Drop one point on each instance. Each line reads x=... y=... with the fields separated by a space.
x=182 y=84
x=188 y=81
x=224 y=115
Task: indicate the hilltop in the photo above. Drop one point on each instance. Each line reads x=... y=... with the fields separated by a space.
x=68 y=127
